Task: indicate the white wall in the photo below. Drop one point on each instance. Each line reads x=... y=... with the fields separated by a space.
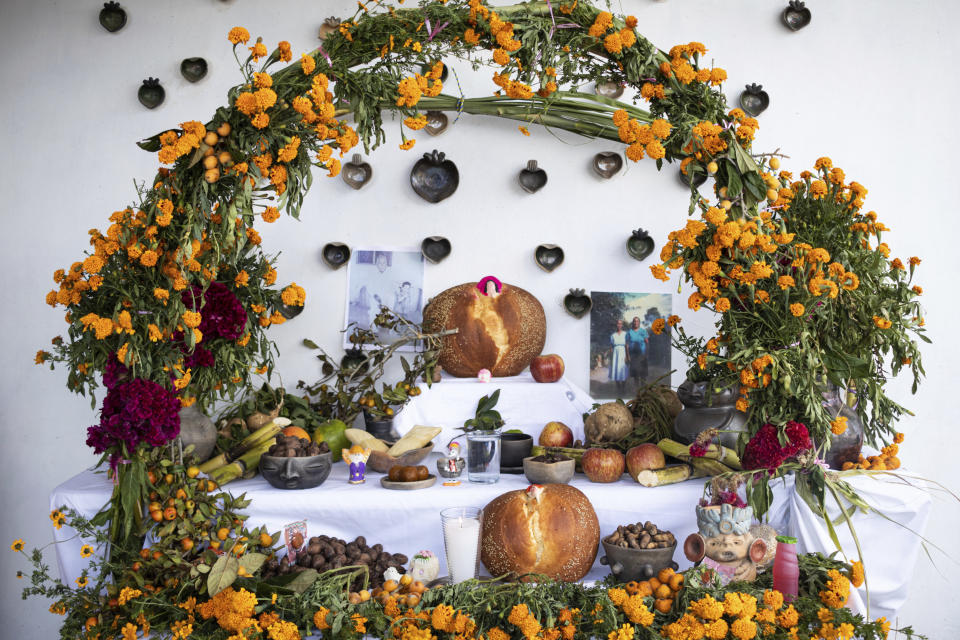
x=868 y=83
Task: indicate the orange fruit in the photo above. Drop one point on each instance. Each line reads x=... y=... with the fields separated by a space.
x=181 y=494
x=405 y=580
x=390 y=586
x=136 y=565
x=210 y=161
x=144 y=553
x=193 y=472
x=676 y=581
x=663 y=606
x=663 y=592
x=152 y=477
x=113 y=602
x=222 y=533
x=157 y=515
x=91 y=622
x=157 y=555
x=168 y=478
x=354 y=598
x=631 y=587
x=266 y=540
x=187 y=544
x=364 y=595
x=223 y=130
x=169 y=513
x=412 y=600
x=654 y=583
x=644 y=590
x=211 y=485
x=664 y=575
x=215 y=544
x=211 y=138
x=296 y=431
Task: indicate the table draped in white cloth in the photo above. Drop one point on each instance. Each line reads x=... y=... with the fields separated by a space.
x=408 y=521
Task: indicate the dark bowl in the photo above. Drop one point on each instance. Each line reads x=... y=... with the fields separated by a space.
x=637 y=564
x=296 y=473
x=514 y=447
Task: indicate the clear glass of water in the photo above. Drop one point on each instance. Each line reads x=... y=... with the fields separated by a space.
x=483 y=456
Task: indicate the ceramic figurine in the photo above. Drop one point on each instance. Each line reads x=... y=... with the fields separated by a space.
x=484 y=375
x=425 y=567
x=725 y=542
x=391 y=574
x=451 y=466
x=356 y=456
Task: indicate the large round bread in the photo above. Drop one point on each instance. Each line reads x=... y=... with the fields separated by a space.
x=550 y=529
x=501 y=333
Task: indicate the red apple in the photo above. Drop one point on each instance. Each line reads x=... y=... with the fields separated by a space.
x=643 y=457
x=555 y=434
x=548 y=368
x=602 y=465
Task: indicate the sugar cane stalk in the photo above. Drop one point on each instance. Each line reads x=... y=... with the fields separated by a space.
x=236 y=469
x=680 y=451
x=668 y=475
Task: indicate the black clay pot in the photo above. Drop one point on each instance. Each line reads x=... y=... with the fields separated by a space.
x=151 y=93
x=514 y=447
x=381 y=428
x=112 y=17
x=193 y=69
x=296 y=473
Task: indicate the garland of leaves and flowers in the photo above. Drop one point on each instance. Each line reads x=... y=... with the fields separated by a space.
x=171 y=305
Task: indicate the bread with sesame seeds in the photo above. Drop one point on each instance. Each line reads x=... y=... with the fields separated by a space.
x=549 y=529
x=501 y=331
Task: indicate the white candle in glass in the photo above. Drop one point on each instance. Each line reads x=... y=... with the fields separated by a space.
x=461 y=538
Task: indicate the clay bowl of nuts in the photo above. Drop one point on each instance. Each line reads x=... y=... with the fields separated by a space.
x=382 y=462
x=295 y=463
x=408 y=477
x=638 y=551
x=549 y=468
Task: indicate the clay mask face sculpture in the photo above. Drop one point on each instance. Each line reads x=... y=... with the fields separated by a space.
x=296 y=473
x=725 y=542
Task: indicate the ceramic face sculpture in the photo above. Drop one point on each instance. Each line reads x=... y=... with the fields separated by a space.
x=356 y=456
x=725 y=543
x=296 y=473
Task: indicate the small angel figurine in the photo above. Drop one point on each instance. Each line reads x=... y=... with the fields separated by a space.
x=357 y=457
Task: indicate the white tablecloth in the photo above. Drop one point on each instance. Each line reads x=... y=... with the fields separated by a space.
x=407 y=521
x=525 y=404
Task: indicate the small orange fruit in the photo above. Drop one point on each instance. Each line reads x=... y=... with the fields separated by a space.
x=296 y=431
x=223 y=130
x=144 y=553
x=676 y=581
x=187 y=544
x=157 y=515
x=644 y=590
x=390 y=586
x=631 y=587
x=364 y=595
x=181 y=494
x=663 y=606
x=654 y=583
x=169 y=513
x=91 y=622
x=664 y=575
x=193 y=472
x=412 y=600
x=663 y=592
x=266 y=540
x=136 y=565
x=157 y=555
x=405 y=580
x=168 y=478
x=222 y=533
x=211 y=138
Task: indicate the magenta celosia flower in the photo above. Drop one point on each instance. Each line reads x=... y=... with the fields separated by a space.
x=222 y=314
x=764 y=450
x=134 y=412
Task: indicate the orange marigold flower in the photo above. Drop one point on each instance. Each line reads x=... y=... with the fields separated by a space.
x=658 y=326
x=307 y=64
x=270 y=214
x=260 y=121
x=257 y=51
x=242 y=279
x=238 y=35
x=882 y=322
x=797 y=309
x=285 y=54
x=408 y=144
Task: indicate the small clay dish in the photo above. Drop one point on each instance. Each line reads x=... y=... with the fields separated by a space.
x=532 y=179
x=335 y=254
x=112 y=17
x=357 y=173
x=329 y=26
x=296 y=473
x=290 y=311
x=387 y=483
x=151 y=94
x=548 y=257
x=754 y=99
x=607 y=164
x=640 y=244
x=193 y=69
x=796 y=16
x=608 y=89
x=381 y=461
x=436 y=122
x=433 y=177
x=549 y=472
x=435 y=248
x=577 y=303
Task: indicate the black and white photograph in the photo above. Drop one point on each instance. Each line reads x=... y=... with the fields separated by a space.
x=625 y=353
x=378 y=278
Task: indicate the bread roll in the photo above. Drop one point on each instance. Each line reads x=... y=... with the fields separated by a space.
x=550 y=529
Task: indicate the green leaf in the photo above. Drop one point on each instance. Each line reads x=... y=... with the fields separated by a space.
x=310 y=343
x=252 y=561
x=222 y=574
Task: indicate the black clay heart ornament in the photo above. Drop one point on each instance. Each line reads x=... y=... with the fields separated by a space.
x=433 y=177
x=607 y=164
x=640 y=244
x=193 y=69
x=548 y=257
x=754 y=99
x=532 y=179
x=335 y=254
x=357 y=173
x=796 y=16
x=151 y=94
x=577 y=303
x=435 y=248
x=112 y=17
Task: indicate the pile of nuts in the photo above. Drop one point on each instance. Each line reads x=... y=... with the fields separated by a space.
x=294 y=447
x=324 y=553
x=637 y=536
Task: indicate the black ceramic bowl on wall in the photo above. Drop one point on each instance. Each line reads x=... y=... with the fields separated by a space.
x=514 y=447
